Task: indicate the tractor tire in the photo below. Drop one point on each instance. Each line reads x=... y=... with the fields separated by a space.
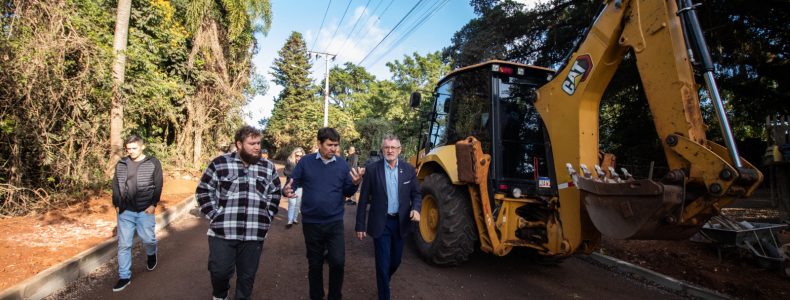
x=446 y=233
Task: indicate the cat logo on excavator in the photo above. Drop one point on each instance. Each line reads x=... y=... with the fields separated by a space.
x=577 y=74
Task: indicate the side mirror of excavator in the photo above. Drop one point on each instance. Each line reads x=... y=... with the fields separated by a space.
x=414 y=102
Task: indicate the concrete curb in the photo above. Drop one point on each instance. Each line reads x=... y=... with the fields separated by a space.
x=59 y=276
x=664 y=281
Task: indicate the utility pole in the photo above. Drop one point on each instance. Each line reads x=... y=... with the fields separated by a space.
x=326 y=56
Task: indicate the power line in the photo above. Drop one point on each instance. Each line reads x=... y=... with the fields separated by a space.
x=420 y=21
x=338 y=26
x=371 y=17
x=354 y=27
x=388 y=34
x=422 y=15
x=322 y=25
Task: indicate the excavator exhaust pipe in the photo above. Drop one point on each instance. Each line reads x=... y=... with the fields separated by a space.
x=632 y=209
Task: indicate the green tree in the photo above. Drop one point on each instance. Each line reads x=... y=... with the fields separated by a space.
x=382 y=107
x=56 y=88
x=298 y=109
x=297 y=112
x=748 y=44
x=156 y=64
x=348 y=84
x=221 y=61
x=415 y=73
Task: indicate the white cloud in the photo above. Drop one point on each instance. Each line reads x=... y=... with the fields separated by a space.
x=354 y=48
x=531 y=3
x=351 y=46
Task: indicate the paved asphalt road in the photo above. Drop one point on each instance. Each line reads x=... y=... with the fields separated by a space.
x=182 y=273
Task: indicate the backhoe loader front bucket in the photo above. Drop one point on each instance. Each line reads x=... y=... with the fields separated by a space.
x=634 y=209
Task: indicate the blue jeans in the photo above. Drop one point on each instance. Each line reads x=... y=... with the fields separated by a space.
x=128 y=223
x=389 y=249
x=294 y=204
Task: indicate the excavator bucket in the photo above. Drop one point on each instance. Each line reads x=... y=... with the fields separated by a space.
x=634 y=209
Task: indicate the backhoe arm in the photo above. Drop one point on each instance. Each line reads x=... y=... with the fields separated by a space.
x=702 y=175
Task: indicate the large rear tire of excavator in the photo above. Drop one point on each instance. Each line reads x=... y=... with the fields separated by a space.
x=446 y=233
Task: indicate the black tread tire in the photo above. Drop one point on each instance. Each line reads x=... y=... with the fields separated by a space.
x=455 y=232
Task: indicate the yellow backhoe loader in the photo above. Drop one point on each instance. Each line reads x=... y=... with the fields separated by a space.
x=511 y=157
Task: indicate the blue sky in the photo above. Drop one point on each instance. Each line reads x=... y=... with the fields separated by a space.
x=305 y=16
x=336 y=37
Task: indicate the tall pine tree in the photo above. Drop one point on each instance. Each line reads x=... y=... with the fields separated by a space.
x=298 y=110
x=297 y=113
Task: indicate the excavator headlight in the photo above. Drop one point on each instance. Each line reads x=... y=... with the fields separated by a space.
x=520 y=71
x=516 y=193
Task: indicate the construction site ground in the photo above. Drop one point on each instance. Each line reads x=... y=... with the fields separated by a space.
x=31 y=244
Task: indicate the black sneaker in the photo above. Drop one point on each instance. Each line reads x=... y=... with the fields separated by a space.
x=122 y=284
x=151 y=263
x=288 y=226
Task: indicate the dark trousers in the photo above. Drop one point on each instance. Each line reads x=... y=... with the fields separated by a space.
x=389 y=249
x=226 y=255
x=319 y=238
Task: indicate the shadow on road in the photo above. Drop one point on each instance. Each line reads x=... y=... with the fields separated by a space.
x=182 y=272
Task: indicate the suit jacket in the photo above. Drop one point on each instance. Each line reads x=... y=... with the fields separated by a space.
x=374 y=194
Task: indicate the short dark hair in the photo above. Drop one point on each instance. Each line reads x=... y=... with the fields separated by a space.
x=133 y=138
x=328 y=133
x=244 y=132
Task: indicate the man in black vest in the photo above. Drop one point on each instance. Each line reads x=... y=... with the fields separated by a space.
x=136 y=189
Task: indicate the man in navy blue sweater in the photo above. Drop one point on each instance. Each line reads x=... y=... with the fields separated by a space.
x=326 y=181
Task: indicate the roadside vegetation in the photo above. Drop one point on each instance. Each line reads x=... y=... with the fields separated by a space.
x=188 y=73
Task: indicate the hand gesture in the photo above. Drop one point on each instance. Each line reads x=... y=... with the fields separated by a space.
x=288 y=191
x=356 y=175
x=361 y=235
x=414 y=215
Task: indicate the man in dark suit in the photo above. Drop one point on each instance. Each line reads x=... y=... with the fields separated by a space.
x=391 y=190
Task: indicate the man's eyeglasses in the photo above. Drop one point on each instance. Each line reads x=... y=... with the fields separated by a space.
x=391 y=148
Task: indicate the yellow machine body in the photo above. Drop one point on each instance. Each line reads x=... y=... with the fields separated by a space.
x=590 y=203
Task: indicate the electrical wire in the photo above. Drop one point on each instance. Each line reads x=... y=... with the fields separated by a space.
x=321 y=27
x=350 y=33
x=417 y=24
x=388 y=34
x=332 y=41
x=369 y=26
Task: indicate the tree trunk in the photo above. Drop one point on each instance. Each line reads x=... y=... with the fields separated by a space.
x=200 y=125
x=185 y=135
x=15 y=171
x=198 y=147
x=119 y=50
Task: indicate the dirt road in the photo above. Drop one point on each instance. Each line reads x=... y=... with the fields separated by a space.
x=182 y=273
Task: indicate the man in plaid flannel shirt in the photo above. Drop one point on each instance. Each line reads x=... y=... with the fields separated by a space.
x=240 y=194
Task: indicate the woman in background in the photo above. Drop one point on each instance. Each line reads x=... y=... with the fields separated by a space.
x=293 y=203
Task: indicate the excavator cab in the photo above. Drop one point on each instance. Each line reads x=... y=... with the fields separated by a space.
x=494 y=103
x=484 y=157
